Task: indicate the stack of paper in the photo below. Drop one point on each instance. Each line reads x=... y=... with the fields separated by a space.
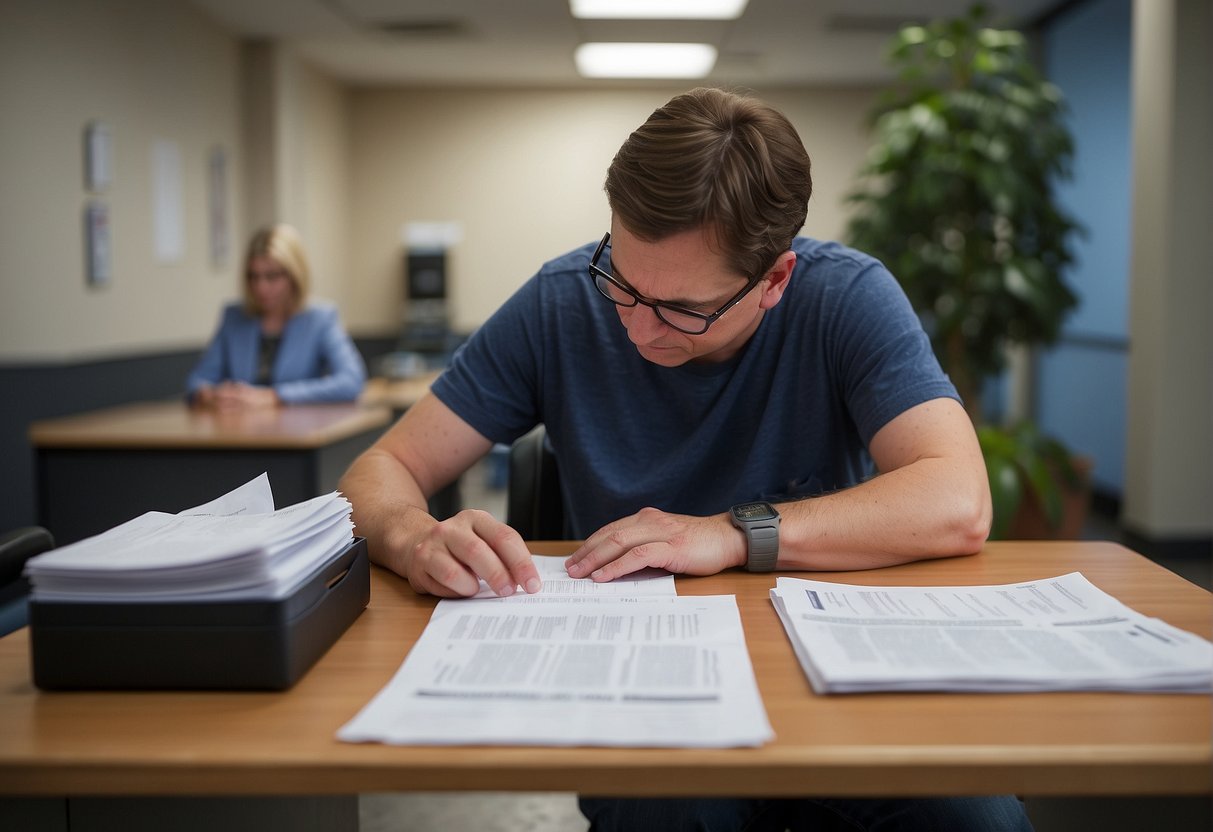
x=626 y=663
x=1054 y=634
x=236 y=547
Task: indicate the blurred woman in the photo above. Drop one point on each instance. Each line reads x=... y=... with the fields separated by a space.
x=276 y=347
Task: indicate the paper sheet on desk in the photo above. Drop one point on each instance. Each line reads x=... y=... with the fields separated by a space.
x=230 y=548
x=254 y=497
x=1061 y=633
x=558 y=584
x=649 y=671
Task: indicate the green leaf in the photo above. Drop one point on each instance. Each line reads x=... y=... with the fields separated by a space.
x=1006 y=493
x=956 y=196
x=1045 y=489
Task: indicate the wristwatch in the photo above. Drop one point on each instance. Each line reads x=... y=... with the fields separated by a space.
x=760 y=523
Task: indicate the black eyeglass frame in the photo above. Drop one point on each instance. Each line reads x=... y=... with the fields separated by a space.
x=596 y=274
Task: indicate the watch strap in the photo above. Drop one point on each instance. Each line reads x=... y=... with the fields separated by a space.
x=763 y=547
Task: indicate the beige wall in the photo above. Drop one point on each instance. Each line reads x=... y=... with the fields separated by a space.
x=521 y=172
x=313 y=170
x=152 y=71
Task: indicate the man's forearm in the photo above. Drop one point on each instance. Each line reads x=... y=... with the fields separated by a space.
x=390 y=509
x=928 y=509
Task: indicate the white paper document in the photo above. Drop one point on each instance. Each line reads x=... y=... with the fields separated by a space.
x=558 y=585
x=254 y=497
x=234 y=547
x=651 y=670
x=1059 y=633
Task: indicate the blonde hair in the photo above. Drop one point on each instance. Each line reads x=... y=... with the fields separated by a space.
x=282 y=243
x=714 y=159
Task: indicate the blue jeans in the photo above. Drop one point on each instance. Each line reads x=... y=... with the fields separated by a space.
x=963 y=814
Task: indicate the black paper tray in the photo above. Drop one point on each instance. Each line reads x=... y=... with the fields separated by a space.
x=199 y=645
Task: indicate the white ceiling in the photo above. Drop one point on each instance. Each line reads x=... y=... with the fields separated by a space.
x=531 y=42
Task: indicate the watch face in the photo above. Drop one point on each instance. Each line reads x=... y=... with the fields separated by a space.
x=754 y=511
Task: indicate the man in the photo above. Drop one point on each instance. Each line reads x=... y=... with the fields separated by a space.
x=701 y=374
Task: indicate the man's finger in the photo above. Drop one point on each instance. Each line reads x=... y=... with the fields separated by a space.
x=513 y=551
x=605 y=546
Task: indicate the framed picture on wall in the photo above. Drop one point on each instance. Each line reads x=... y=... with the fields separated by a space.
x=96 y=243
x=168 y=202
x=220 y=239
x=98 y=157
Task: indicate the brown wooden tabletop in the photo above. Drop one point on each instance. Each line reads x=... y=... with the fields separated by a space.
x=174 y=425
x=871 y=744
x=397 y=393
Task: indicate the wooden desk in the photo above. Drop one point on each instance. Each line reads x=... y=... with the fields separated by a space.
x=98 y=469
x=397 y=393
x=909 y=744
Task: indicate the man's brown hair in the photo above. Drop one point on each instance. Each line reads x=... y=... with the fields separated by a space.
x=714 y=159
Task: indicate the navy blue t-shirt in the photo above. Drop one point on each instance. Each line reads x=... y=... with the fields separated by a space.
x=789 y=416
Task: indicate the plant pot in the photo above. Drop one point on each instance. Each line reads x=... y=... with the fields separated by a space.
x=1030 y=523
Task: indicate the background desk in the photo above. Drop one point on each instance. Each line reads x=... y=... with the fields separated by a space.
x=911 y=744
x=397 y=393
x=102 y=468
x=400 y=394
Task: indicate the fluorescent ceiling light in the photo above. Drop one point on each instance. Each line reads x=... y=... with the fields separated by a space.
x=658 y=9
x=645 y=60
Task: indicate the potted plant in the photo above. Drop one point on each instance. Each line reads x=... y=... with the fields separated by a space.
x=1039 y=489
x=957 y=199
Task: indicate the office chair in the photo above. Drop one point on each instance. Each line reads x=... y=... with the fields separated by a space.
x=16 y=547
x=534 y=507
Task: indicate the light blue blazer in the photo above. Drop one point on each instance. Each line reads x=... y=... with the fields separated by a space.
x=316 y=361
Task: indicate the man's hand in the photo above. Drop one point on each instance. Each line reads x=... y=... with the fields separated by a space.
x=455 y=553
x=678 y=543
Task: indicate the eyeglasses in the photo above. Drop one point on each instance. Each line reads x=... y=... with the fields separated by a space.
x=680 y=318
x=270 y=275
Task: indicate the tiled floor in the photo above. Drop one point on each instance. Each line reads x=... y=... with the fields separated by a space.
x=476 y=812
x=557 y=812
x=1193 y=563
x=481 y=487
